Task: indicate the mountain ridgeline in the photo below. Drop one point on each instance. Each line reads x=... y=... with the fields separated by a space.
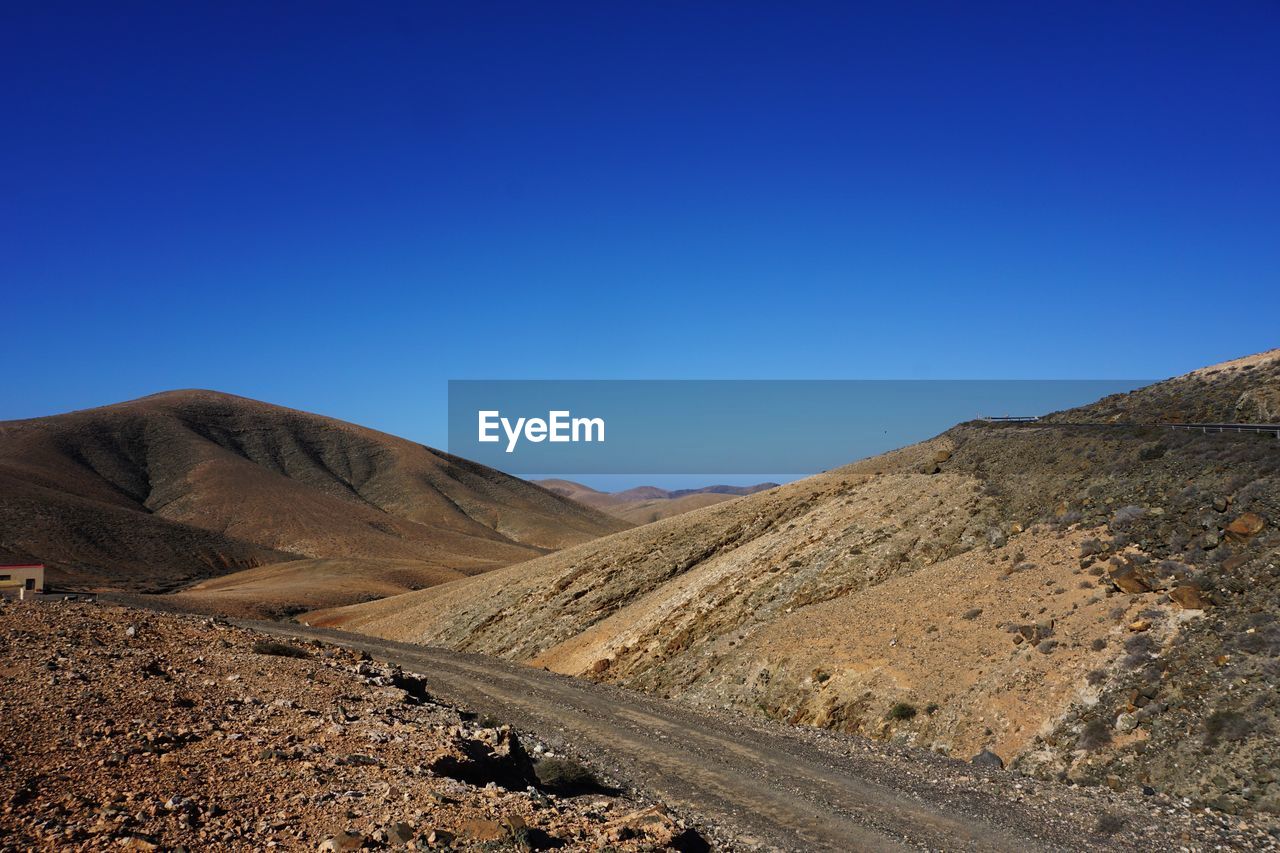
x=176 y=487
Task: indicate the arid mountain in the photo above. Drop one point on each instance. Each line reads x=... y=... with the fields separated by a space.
x=645 y=504
x=1094 y=602
x=186 y=485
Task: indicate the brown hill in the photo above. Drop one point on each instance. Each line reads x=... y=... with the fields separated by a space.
x=575 y=491
x=646 y=504
x=1097 y=602
x=185 y=485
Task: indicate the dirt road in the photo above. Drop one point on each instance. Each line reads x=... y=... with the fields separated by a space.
x=764 y=785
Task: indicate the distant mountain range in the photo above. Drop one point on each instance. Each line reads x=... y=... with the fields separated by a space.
x=645 y=504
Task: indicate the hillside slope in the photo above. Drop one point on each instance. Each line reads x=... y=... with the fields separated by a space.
x=279 y=590
x=1090 y=601
x=192 y=484
x=645 y=504
x=1243 y=390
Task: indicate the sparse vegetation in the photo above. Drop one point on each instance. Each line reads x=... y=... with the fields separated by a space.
x=565 y=776
x=1069 y=518
x=1092 y=547
x=1095 y=735
x=1140 y=648
x=1227 y=725
x=280 y=650
x=1151 y=451
x=1109 y=825
x=1259 y=640
x=901 y=711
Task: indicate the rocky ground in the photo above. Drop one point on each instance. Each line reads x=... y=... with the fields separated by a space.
x=128 y=729
x=131 y=730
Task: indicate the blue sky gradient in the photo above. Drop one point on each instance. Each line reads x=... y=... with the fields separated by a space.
x=340 y=206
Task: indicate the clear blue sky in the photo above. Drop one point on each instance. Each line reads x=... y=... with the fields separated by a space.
x=339 y=206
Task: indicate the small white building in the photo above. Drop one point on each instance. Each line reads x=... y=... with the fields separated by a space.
x=22 y=580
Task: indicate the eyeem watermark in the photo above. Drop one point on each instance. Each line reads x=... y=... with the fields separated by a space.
x=559 y=426
x=741 y=426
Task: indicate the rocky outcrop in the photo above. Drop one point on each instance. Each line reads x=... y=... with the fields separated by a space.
x=1258 y=406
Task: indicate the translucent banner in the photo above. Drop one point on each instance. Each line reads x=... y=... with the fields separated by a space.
x=728 y=426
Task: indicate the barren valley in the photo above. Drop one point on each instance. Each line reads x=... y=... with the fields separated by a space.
x=1060 y=634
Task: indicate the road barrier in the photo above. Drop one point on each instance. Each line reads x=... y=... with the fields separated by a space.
x=1274 y=429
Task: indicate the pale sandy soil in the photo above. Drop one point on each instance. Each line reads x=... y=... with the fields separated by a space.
x=286 y=588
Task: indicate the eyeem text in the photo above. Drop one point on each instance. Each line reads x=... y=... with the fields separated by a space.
x=558 y=426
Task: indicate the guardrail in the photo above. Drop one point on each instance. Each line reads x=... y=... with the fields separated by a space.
x=1274 y=429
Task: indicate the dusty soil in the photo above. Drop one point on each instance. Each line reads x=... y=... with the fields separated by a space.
x=982 y=667
x=285 y=589
x=135 y=730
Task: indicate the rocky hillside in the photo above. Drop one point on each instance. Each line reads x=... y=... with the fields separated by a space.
x=192 y=484
x=158 y=732
x=646 y=504
x=1245 y=390
x=1094 y=603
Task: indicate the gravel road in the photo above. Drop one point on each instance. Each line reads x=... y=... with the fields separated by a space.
x=770 y=787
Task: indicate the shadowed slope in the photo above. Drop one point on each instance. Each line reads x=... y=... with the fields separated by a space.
x=190 y=484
